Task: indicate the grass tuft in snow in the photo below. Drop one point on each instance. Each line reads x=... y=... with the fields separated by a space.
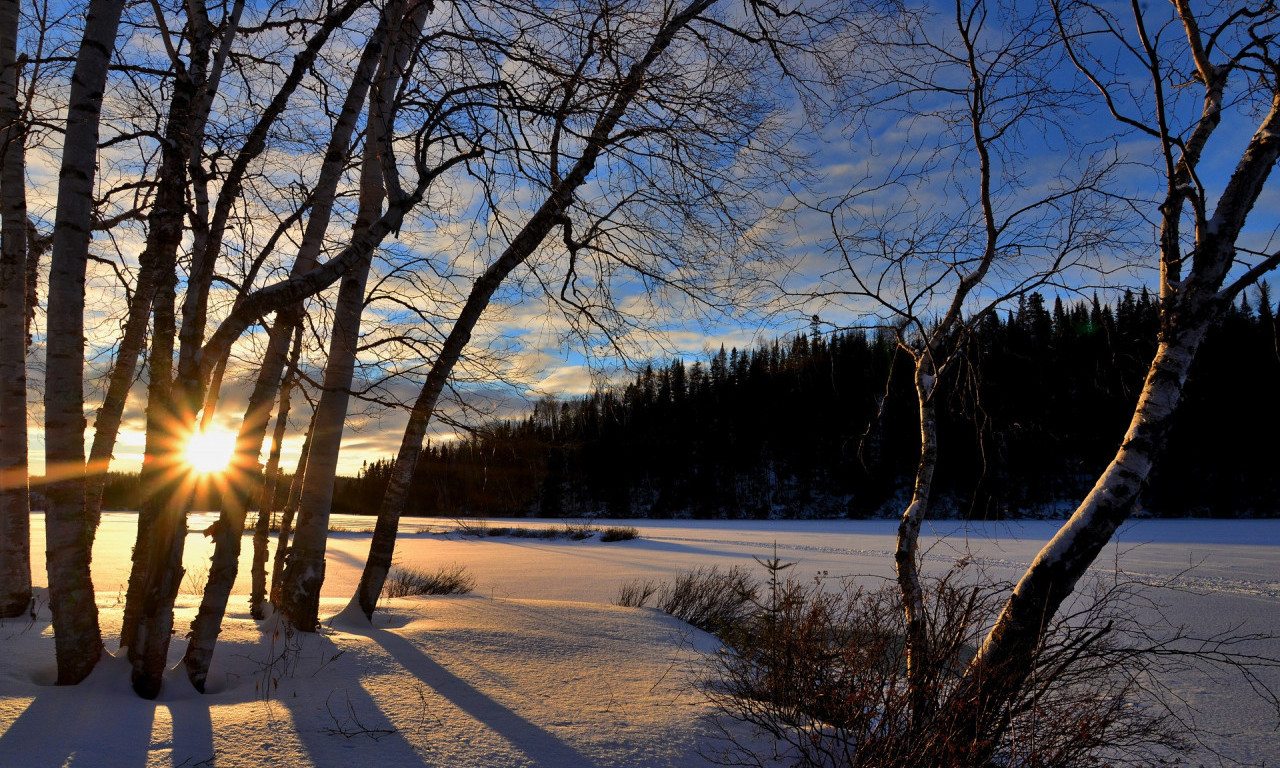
x=449 y=579
x=619 y=533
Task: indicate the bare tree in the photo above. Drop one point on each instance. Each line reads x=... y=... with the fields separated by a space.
x=1233 y=55
x=271 y=477
x=964 y=94
x=401 y=31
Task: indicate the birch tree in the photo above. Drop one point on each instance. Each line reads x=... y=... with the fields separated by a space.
x=1209 y=251
x=15 y=526
x=399 y=33
x=77 y=637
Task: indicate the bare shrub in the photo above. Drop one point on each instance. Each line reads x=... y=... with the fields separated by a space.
x=450 y=579
x=635 y=594
x=579 y=531
x=709 y=598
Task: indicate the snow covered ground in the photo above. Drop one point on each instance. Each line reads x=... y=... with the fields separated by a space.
x=537 y=668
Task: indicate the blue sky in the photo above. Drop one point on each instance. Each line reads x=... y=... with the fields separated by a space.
x=908 y=166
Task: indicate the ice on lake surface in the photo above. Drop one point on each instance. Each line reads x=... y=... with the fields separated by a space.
x=537 y=667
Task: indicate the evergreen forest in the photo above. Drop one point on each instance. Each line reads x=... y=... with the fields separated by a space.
x=826 y=425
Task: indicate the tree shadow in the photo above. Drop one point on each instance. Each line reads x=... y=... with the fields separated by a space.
x=541 y=747
x=349 y=720
x=99 y=722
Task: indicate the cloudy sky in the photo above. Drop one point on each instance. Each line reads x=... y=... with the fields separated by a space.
x=899 y=178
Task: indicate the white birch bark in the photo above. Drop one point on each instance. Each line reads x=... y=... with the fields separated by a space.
x=286 y=517
x=1189 y=306
x=77 y=637
x=229 y=531
x=271 y=478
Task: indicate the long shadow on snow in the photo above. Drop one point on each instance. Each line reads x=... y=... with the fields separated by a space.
x=537 y=744
x=102 y=723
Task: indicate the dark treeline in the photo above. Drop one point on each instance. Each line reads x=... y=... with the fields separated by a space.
x=808 y=427
x=813 y=426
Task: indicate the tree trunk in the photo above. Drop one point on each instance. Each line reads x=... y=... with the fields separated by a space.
x=77 y=637
x=266 y=502
x=106 y=426
x=228 y=531
x=286 y=516
x=15 y=512
x=163 y=471
x=906 y=556
x=1007 y=654
x=304 y=574
x=300 y=595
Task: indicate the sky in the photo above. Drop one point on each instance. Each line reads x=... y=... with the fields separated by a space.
x=897 y=178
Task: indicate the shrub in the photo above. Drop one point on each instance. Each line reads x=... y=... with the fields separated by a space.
x=579 y=531
x=451 y=579
x=709 y=598
x=619 y=533
x=635 y=594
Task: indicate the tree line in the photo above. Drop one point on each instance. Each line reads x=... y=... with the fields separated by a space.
x=814 y=426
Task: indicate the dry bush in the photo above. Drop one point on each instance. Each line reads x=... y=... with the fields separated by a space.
x=619 y=533
x=709 y=598
x=636 y=594
x=450 y=579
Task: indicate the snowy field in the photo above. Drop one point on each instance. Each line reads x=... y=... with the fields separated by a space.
x=537 y=667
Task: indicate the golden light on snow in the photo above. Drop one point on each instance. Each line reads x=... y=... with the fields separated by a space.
x=210 y=451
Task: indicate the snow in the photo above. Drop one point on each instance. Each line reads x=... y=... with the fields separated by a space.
x=537 y=668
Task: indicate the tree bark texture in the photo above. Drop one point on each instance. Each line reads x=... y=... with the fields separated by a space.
x=15 y=512
x=300 y=591
x=77 y=637
x=266 y=502
x=920 y=678
x=286 y=517
x=162 y=468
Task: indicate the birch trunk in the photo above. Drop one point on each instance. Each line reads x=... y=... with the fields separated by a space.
x=1188 y=308
x=300 y=594
x=286 y=517
x=106 y=426
x=266 y=502
x=1007 y=654
x=77 y=637
x=228 y=531
x=526 y=241
x=162 y=467
x=906 y=556
x=300 y=591
x=15 y=512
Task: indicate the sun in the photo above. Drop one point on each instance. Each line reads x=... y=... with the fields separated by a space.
x=210 y=451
